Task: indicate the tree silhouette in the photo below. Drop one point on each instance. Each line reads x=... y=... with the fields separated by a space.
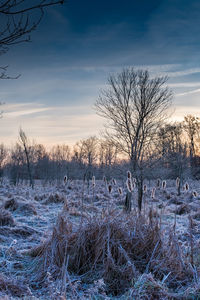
x=134 y=105
x=18 y=19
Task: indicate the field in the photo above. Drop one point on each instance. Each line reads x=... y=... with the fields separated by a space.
x=71 y=241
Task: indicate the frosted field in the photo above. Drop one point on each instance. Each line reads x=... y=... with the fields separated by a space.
x=70 y=242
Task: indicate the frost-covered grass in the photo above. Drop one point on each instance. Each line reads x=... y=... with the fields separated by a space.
x=72 y=242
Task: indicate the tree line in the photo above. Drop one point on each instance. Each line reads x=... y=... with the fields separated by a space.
x=175 y=153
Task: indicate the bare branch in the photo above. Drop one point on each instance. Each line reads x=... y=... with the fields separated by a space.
x=17 y=23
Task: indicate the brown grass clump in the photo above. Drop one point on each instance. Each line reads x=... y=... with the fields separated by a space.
x=11 y=204
x=115 y=247
x=182 y=209
x=55 y=198
x=196 y=215
x=20 y=206
x=6 y=218
x=27 y=208
x=13 y=288
x=147 y=288
x=18 y=231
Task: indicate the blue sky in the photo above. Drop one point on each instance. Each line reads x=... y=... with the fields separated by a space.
x=78 y=45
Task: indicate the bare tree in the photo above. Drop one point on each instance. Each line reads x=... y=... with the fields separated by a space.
x=3 y=154
x=173 y=151
x=60 y=156
x=18 y=20
x=107 y=152
x=107 y=156
x=87 y=149
x=134 y=105
x=16 y=163
x=24 y=141
x=86 y=152
x=191 y=125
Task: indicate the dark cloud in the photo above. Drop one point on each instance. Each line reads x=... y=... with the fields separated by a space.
x=77 y=45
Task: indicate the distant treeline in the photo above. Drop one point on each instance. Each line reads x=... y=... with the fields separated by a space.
x=175 y=153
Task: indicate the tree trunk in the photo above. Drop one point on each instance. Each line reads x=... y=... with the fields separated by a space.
x=29 y=169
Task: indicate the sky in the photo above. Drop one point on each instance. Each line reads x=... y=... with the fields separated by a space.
x=78 y=45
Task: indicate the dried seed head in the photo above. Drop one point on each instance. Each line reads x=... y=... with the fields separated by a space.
x=145 y=188
x=153 y=192
x=187 y=186
x=114 y=181
x=164 y=184
x=129 y=185
x=134 y=180
x=93 y=180
x=177 y=182
x=195 y=194
x=129 y=175
x=120 y=190
x=158 y=183
x=109 y=188
x=65 y=179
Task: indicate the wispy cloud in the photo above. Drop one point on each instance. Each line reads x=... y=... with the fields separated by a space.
x=183 y=84
x=21 y=113
x=183 y=72
x=49 y=125
x=188 y=93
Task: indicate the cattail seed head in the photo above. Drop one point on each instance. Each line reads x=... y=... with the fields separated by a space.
x=65 y=179
x=158 y=183
x=195 y=194
x=120 y=190
x=134 y=182
x=129 y=175
x=153 y=192
x=129 y=185
x=93 y=180
x=164 y=184
x=187 y=186
x=114 y=181
x=109 y=188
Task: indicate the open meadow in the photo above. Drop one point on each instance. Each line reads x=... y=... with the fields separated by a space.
x=71 y=241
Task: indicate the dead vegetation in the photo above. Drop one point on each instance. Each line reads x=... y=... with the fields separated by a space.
x=6 y=218
x=80 y=248
x=116 y=247
x=21 y=206
x=55 y=198
x=12 y=288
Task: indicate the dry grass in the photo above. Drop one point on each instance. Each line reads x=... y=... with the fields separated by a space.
x=20 y=206
x=13 y=288
x=115 y=247
x=94 y=254
x=6 y=218
x=55 y=198
x=147 y=288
